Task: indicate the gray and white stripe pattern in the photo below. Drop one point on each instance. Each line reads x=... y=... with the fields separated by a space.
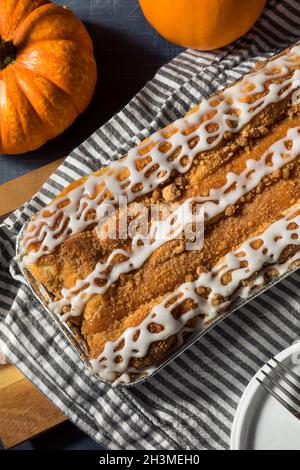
x=191 y=404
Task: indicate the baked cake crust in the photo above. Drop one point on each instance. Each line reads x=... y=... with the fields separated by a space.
x=236 y=158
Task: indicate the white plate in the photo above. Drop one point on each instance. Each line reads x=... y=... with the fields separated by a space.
x=261 y=423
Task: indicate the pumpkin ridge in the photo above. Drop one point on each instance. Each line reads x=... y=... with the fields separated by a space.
x=40 y=74
x=50 y=55
x=14 y=21
x=40 y=91
x=47 y=10
x=4 y=26
x=8 y=79
x=20 y=116
x=22 y=48
x=48 y=135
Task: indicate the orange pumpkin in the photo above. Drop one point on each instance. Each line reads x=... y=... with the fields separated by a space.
x=47 y=72
x=202 y=24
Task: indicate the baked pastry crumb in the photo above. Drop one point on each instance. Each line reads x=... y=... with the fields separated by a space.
x=235 y=157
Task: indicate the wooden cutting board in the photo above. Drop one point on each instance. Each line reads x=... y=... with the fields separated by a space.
x=14 y=193
x=24 y=411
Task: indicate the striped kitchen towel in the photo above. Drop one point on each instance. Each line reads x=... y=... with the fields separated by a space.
x=190 y=404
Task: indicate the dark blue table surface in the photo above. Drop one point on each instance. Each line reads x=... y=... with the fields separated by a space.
x=128 y=53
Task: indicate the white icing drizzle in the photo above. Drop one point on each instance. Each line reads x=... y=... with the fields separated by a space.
x=228 y=111
x=113 y=363
x=163 y=231
x=206 y=126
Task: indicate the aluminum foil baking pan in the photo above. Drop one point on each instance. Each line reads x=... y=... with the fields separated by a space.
x=75 y=339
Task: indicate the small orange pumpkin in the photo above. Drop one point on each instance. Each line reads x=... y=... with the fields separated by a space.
x=202 y=24
x=47 y=72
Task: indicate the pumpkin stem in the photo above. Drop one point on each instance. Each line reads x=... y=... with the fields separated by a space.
x=7 y=53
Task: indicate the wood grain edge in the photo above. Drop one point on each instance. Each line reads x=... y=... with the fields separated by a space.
x=24 y=411
x=16 y=192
